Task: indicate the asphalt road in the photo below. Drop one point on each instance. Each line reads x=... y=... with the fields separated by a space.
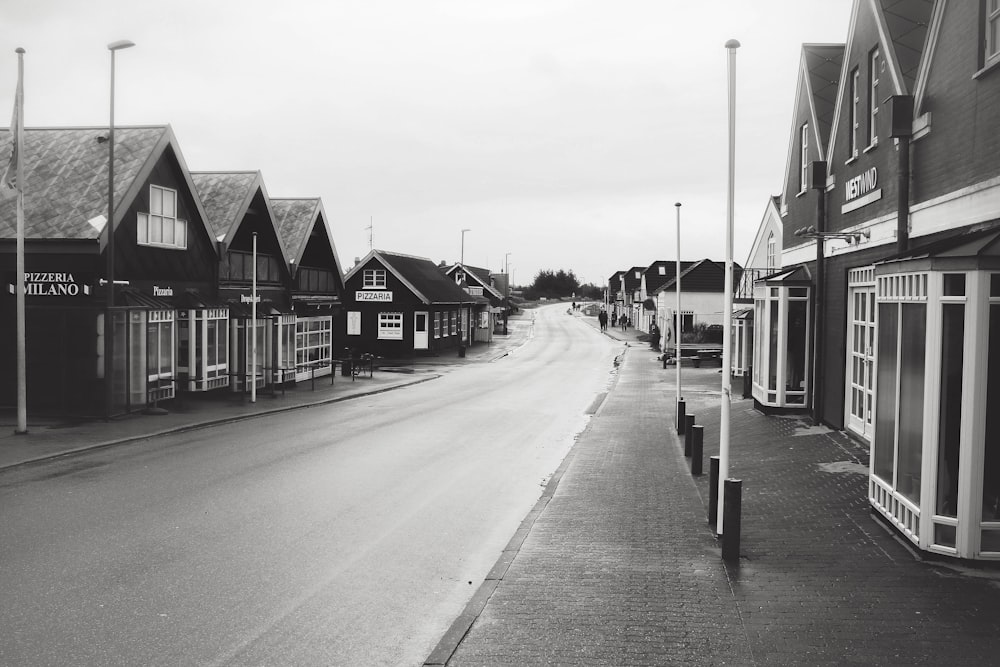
x=351 y=534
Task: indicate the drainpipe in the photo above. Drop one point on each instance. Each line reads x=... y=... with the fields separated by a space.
x=901 y=117
x=817 y=181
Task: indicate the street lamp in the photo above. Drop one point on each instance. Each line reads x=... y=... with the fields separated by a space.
x=109 y=347
x=727 y=302
x=677 y=324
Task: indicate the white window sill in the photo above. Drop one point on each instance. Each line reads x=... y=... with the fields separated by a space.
x=991 y=65
x=872 y=146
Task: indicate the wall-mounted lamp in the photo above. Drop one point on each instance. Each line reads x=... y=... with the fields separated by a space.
x=851 y=237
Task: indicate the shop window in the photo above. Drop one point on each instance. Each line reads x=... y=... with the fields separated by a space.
x=390 y=326
x=991 y=455
x=874 y=71
x=373 y=279
x=453 y=316
x=885 y=402
x=854 y=124
x=437 y=325
x=782 y=344
x=991 y=23
x=950 y=408
x=313 y=344
x=161 y=226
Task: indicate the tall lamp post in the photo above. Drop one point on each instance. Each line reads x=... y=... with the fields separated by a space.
x=461 y=304
x=677 y=320
x=506 y=291
x=109 y=345
x=727 y=303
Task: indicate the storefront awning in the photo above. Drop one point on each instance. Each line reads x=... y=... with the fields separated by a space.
x=133 y=298
x=974 y=250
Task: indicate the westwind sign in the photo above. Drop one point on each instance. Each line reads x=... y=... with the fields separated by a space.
x=861 y=190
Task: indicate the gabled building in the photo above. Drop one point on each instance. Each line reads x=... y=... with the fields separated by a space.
x=702 y=287
x=615 y=301
x=317 y=284
x=897 y=264
x=630 y=294
x=655 y=276
x=479 y=282
x=400 y=305
x=165 y=261
x=240 y=214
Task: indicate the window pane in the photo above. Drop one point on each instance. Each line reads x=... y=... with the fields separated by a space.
x=954 y=284
x=168 y=231
x=155 y=229
x=911 y=399
x=991 y=460
x=169 y=204
x=772 y=344
x=155 y=200
x=949 y=433
x=166 y=365
x=180 y=235
x=142 y=229
x=885 y=423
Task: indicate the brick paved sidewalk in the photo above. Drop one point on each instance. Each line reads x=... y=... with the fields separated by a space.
x=618 y=565
x=620 y=568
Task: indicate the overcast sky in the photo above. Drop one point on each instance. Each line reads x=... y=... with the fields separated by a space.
x=559 y=131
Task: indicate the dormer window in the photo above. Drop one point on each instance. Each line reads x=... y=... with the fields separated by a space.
x=161 y=227
x=663 y=270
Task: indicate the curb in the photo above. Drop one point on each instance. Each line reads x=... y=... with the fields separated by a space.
x=452 y=638
x=184 y=428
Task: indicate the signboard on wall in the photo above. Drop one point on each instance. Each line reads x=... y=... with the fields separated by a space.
x=353 y=323
x=52 y=284
x=861 y=190
x=382 y=296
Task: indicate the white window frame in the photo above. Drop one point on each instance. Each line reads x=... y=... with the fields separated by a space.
x=437 y=325
x=874 y=65
x=804 y=157
x=151 y=228
x=991 y=23
x=855 y=119
x=453 y=318
x=373 y=279
x=390 y=326
x=772 y=252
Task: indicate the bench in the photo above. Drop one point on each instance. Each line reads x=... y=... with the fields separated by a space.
x=706 y=355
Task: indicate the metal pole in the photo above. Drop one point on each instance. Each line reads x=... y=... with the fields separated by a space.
x=109 y=330
x=253 y=325
x=727 y=302
x=18 y=130
x=677 y=311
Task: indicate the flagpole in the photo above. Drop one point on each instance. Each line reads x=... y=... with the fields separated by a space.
x=18 y=130
x=727 y=301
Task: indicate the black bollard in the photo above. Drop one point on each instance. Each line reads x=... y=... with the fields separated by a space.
x=697 y=447
x=748 y=382
x=688 y=433
x=732 y=507
x=713 y=491
x=680 y=416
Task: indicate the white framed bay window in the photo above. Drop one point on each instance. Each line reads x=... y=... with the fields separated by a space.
x=782 y=340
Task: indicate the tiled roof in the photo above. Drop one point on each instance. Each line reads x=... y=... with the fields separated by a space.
x=66 y=177
x=631 y=282
x=907 y=22
x=295 y=219
x=704 y=276
x=423 y=276
x=653 y=278
x=823 y=63
x=225 y=196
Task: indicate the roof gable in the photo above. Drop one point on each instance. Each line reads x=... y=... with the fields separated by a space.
x=479 y=275
x=66 y=178
x=420 y=275
x=300 y=221
x=228 y=197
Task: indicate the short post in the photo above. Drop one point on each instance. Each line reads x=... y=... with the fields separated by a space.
x=688 y=433
x=680 y=416
x=713 y=490
x=748 y=382
x=697 y=449
x=664 y=359
x=732 y=507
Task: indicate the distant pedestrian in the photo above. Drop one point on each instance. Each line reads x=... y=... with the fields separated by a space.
x=602 y=317
x=624 y=322
x=614 y=319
